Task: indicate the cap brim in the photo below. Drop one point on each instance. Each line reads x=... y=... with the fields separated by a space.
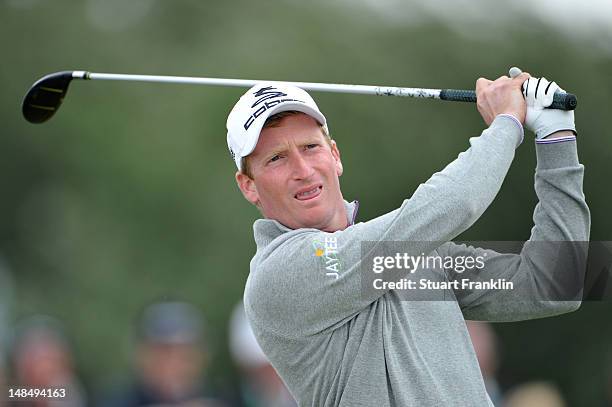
x=255 y=131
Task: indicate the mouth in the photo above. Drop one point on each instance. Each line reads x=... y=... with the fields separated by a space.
x=309 y=193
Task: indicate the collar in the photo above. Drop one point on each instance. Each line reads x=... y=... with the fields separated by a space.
x=266 y=230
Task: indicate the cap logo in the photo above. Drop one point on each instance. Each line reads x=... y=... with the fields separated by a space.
x=269 y=96
x=269 y=92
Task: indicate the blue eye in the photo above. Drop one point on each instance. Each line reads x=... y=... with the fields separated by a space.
x=275 y=158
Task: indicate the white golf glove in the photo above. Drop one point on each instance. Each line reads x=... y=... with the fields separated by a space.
x=543 y=122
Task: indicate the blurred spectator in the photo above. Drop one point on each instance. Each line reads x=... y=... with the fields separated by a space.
x=260 y=385
x=6 y=305
x=608 y=385
x=169 y=359
x=7 y=293
x=3 y=382
x=485 y=344
x=535 y=394
x=42 y=359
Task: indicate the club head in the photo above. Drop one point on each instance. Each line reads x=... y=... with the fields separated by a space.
x=45 y=96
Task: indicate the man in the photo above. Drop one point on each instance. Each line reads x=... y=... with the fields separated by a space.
x=486 y=346
x=259 y=384
x=335 y=344
x=43 y=358
x=170 y=360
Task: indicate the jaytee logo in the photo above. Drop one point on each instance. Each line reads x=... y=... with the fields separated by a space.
x=269 y=96
x=329 y=253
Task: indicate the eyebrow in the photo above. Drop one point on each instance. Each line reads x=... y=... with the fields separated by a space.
x=265 y=156
x=281 y=148
x=274 y=151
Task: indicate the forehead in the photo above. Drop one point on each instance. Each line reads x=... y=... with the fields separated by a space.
x=290 y=129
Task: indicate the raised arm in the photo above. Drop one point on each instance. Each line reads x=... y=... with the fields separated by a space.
x=306 y=300
x=547 y=277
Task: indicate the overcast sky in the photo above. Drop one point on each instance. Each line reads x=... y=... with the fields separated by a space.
x=590 y=19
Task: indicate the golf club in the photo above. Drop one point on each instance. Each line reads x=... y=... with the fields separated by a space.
x=46 y=95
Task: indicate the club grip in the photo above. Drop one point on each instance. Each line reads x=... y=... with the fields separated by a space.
x=561 y=100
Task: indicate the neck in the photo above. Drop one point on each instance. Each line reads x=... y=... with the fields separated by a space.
x=339 y=221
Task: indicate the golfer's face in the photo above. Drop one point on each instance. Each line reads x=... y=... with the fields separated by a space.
x=295 y=175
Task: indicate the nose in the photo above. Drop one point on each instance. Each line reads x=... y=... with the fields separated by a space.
x=301 y=167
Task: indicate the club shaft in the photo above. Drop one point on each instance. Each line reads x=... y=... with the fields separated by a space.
x=247 y=83
x=44 y=97
x=561 y=100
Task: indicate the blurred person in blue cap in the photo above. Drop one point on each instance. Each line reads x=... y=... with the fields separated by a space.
x=169 y=359
x=260 y=385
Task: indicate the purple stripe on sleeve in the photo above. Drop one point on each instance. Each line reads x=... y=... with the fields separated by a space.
x=518 y=123
x=556 y=140
x=355 y=213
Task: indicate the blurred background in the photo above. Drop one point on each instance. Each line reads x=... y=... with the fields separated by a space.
x=120 y=216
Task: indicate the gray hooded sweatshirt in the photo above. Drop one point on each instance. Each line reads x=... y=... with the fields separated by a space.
x=335 y=344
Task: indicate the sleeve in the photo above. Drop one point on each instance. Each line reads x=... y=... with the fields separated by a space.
x=548 y=273
x=311 y=282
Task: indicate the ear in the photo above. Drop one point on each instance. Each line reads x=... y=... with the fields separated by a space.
x=336 y=154
x=247 y=187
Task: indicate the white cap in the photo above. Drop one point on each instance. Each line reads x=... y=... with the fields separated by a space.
x=248 y=116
